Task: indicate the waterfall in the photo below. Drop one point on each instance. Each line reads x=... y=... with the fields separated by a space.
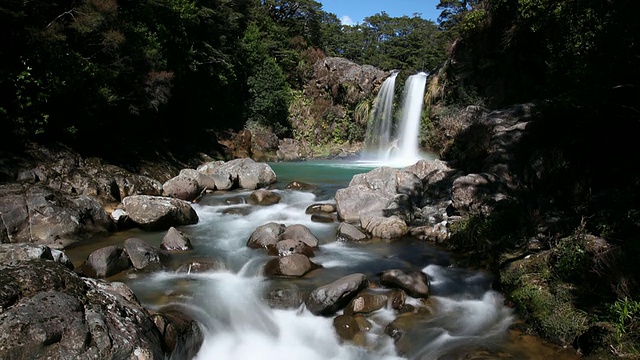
x=378 y=135
x=411 y=118
x=384 y=145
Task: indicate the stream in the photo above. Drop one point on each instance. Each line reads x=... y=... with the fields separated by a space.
x=247 y=316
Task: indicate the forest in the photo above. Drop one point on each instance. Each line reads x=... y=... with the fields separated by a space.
x=106 y=74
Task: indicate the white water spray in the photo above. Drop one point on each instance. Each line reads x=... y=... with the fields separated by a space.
x=411 y=119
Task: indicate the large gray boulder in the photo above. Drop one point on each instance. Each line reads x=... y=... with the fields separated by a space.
x=40 y=215
x=348 y=232
x=265 y=236
x=142 y=255
x=181 y=187
x=106 y=261
x=49 y=312
x=294 y=265
x=174 y=240
x=415 y=283
x=327 y=299
x=243 y=173
x=384 y=227
x=158 y=213
x=301 y=233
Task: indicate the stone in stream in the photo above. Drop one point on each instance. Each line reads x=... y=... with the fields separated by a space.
x=415 y=283
x=300 y=232
x=289 y=246
x=144 y=256
x=348 y=232
x=324 y=218
x=243 y=173
x=202 y=265
x=299 y=185
x=174 y=240
x=384 y=227
x=105 y=262
x=366 y=302
x=181 y=187
x=263 y=197
x=294 y=265
x=320 y=209
x=327 y=299
x=181 y=333
x=159 y=213
x=265 y=236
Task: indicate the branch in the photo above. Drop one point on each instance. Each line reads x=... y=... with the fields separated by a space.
x=70 y=13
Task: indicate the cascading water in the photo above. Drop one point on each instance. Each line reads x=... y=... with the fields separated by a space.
x=384 y=146
x=411 y=119
x=378 y=136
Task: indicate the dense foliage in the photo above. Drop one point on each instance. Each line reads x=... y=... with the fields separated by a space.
x=99 y=72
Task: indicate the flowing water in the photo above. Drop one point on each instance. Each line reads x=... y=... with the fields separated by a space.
x=247 y=316
x=378 y=136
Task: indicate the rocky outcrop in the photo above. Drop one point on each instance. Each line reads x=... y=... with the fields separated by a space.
x=48 y=312
x=159 y=213
x=300 y=233
x=38 y=214
x=144 y=256
x=291 y=150
x=14 y=253
x=181 y=333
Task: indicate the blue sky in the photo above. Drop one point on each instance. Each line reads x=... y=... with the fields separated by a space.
x=354 y=11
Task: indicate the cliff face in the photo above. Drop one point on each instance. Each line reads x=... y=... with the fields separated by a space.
x=333 y=106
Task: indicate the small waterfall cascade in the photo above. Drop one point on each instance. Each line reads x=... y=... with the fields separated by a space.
x=411 y=118
x=378 y=135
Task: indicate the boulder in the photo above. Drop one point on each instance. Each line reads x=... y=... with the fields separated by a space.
x=284 y=295
x=142 y=255
x=290 y=150
x=290 y=246
x=13 y=253
x=106 y=261
x=354 y=200
x=263 y=197
x=366 y=302
x=49 y=312
x=348 y=232
x=437 y=233
x=477 y=193
x=121 y=219
x=346 y=326
x=181 y=187
x=265 y=236
x=204 y=182
x=245 y=173
x=174 y=240
x=324 y=218
x=327 y=299
x=320 y=209
x=294 y=265
x=40 y=215
x=415 y=283
x=300 y=186
x=201 y=266
x=384 y=227
x=301 y=233
x=159 y=213
x=180 y=332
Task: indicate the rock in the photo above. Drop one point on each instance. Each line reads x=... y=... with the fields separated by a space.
x=180 y=332
x=13 y=253
x=346 y=326
x=290 y=246
x=437 y=233
x=142 y=255
x=121 y=219
x=354 y=200
x=290 y=150
x=301 y=233
x=415 y=283
x=41 y=215
x=348 y=232
x=366 y=302
x=284 y=296
x=181 y=187
x=174 y=240
x=202 y=266
x=106 y=261
x=204 y=182
x=59 y=315
x=327 y=299
x=476 y=192
x=294 y=265
x=320 y=209
x=384 y=227
x=397 y=298
x=430 y=171
x=245 y=173
x=265 y=236
x=234 y=200
x=263 y=197
x=300 y=186
x=241 y=210
x=324 y=218
x=158 y=213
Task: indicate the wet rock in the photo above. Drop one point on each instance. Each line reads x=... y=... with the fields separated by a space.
x=476 y=192
x=142 y=255
x=242 y=211
x=300 y=186
x=294 y=265
x=13 y=253
x=366 y=302
x=38 y=214
x=59 y=315
x=346 y=326
x=348 y=232
x=265 y=236
x=180 y=332
x=301 y=233
x=121 y=219
x=234 y=200
x=284 y=297
x=320 y=209
x=397 y=299
x=263 y=197
x=106 y=261
x=245 y=173
x=289 y=246
x=204 y=181
x=181 y=187
x=202 y=266
x=415 y=283
x=327 y=299
x=430 y=171
x=159 y=213
x=437 y=233
x=175 y=240
x=384 y=227
x=324 y=218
